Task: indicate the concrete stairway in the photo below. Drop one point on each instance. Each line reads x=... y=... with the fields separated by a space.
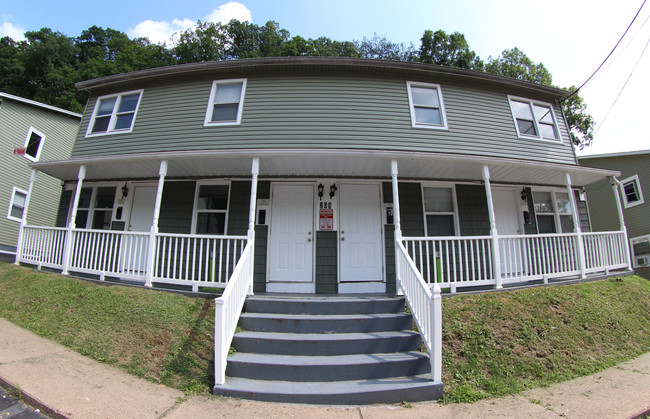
x=328 y=350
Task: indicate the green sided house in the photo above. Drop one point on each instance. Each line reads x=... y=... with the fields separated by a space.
x=323 y=176
x=634 y=180
x=30 y=132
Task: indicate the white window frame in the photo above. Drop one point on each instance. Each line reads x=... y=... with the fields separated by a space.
x=11 y=204
x=31 y=131
x=113 y=118
x=443 y=114
x=195 y=209
x=453 y=213
x=93 y=204
x=539 y=136
x=556 y=212
x=213 y=93
x=634 y=256
x=637 y=185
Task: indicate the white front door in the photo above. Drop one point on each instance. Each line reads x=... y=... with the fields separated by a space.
x=360 y=233
x=135 y=248
x=291 y=233
x=506 y=216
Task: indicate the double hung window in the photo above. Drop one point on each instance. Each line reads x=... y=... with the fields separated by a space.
x=17 y=205
x=439 y=211
x=553 y=212
x=211 y=208
x=534 y=119
x=426 y=105
x=95 y=207
x=226 y=102
x=114 y=114
x=631 y=190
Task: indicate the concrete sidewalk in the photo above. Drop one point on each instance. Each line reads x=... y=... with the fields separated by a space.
x=63 y=383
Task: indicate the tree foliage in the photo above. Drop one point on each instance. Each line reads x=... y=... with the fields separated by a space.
x=47 y=64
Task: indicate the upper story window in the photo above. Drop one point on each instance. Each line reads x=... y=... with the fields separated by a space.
x=114 y=114
x=226 y=102
x=33 y=144
x=439 y=211
x=553 y=212
x=426 y=105
x=211 y=208
x=17 y=205
x=534 y=119
x=632 y=193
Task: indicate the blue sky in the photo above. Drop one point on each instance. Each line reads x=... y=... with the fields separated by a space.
x=571 y=37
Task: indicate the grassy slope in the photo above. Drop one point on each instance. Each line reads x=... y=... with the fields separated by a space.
x=494 y=343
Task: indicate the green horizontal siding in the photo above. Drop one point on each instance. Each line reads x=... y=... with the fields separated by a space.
x=324 y=111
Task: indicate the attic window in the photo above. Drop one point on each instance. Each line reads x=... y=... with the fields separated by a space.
x=226 y=102
x=631 y=189
x=534 y=119
x=114 y=114
x=426 y=106
x=33 y=144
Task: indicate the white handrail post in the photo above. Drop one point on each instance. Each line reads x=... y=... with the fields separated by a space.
x=621 y=219
x=436 y=333
x=397 y=223
x=496 y=253
x=582 y=260
x=23 y=220
x=220 y=351
x=255 y=170
x=69 y=235
x=151 y=251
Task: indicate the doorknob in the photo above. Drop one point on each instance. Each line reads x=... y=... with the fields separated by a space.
x=342 y=238
x=309 y=239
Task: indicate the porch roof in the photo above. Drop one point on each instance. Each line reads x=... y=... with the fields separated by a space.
x=322 y=164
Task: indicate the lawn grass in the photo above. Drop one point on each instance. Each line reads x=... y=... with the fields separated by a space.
x=493 y=343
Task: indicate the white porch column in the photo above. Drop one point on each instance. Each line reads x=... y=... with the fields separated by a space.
x=69 y=236
x=576 y=227
x=396 y=222
x=496 y=250
x=151 y=255
x=621 y=220
x=255 y=170
x=23 y=220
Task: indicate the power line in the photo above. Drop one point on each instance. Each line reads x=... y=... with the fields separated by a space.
x=608 y=55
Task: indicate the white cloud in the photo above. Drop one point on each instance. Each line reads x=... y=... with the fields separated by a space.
x=17 y=33
x=229 y=11
x=161 y=31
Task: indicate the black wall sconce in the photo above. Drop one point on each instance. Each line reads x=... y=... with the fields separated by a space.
x=125 y=191
x=320 y=191
x=332 y=190
x=524 y=194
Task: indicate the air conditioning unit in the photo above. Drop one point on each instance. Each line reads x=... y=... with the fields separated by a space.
x=643 y=261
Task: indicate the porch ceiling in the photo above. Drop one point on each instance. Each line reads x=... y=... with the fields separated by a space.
x=322 y=164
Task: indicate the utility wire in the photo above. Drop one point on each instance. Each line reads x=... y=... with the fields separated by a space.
x=620 y=52
x=623 y=88
x=608 y=55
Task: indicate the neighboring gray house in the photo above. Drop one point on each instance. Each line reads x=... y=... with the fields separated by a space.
x=30 y=132
x=634 y=188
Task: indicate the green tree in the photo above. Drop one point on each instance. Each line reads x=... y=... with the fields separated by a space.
x=451 y=50
x=12 y=69
x=580 y=121
x=383 y=49
x=207 y=42
x=514 y=63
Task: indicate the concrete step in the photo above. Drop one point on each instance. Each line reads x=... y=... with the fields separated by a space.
x=324 y=305
x=326 y=344
x=327 y=368
x=370 y=391
x=316 y=323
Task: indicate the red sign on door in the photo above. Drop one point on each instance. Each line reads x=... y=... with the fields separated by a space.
x=326 y=219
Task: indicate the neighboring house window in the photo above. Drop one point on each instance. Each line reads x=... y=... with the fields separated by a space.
x=226 y=102
x=426 y=105
x=439 y=211
x=640 y=251
x=534 y=119
x=553 y=212
x=631 y=189
x=211 y=208
x=33 y=144
x=17 y=205
x=114 y=114
x=95 y=207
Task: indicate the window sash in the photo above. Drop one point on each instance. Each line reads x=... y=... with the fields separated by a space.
x=226 y=102
x=631 y=191
x=426 y=105
x=17 y=204
x=553 y=212
x=534 y=119
x=211 y=203
x=115 y=114
x=439 y=210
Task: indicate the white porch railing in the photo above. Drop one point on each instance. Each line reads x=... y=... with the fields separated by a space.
x=227 y=309
x=453 y=262
x=425 y=305
x=43 y=246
